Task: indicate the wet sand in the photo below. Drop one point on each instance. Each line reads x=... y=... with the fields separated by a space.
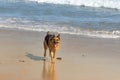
x=83 y=58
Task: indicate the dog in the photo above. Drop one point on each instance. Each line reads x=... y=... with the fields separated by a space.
x=51 y=42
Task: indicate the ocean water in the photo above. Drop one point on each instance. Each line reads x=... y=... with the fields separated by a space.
x=91 y=18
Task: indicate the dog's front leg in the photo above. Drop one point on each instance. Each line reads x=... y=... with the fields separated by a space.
x=52 y=56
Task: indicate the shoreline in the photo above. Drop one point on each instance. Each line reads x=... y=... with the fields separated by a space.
x=83 y=58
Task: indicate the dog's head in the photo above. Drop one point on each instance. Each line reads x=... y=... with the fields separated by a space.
x=55 y=41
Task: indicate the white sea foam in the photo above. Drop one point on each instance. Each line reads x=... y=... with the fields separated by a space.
x=23 y=24
x=90 y=3
x=64 y=30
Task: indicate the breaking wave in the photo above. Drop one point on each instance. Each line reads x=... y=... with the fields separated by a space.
x=90 y=3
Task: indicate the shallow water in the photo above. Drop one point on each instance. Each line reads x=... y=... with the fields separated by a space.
x=63 y=18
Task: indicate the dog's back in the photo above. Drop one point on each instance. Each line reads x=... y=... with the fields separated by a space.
x=47 y=38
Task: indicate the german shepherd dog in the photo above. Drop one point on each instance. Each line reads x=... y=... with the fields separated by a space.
x=51 y=42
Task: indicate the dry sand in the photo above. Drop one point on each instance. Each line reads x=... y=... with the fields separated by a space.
x=83 y=58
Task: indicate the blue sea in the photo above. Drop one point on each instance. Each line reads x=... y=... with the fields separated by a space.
x=91 y=18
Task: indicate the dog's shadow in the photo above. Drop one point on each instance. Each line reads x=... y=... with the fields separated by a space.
x=36 y=58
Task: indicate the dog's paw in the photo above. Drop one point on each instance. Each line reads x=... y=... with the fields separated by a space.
x=21 y=60
x=59 y=58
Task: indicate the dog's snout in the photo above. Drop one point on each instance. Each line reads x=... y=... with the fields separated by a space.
x=55 y=42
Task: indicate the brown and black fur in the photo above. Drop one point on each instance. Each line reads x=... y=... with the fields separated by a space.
x=52 y=43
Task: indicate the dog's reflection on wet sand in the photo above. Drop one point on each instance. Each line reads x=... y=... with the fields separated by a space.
x=48 y=72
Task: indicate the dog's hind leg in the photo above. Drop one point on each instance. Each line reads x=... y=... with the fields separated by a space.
x=45 y=49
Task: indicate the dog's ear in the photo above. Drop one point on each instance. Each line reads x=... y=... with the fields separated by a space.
x=48 y=32
x=58 y=36
x=53 y=35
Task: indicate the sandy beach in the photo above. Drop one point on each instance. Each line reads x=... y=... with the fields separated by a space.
x=83 y=58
